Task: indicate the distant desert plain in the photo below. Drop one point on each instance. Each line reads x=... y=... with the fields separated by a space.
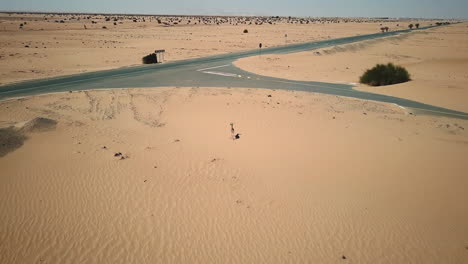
x=154 y=175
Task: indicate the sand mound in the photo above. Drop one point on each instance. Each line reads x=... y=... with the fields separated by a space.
x=13 y=137
x=38 y=124
x=10 y=139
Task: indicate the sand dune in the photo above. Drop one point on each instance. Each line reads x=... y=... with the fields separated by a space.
x=155 y=176
x=312 y=179
x=437 y=60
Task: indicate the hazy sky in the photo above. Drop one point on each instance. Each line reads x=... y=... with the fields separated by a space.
x=351 y=8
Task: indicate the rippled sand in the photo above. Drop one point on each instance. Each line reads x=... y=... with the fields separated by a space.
x=312 y=179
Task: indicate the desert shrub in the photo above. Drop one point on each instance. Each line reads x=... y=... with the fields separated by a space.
x=383 y=74
x=246 y=31
x=150 y=58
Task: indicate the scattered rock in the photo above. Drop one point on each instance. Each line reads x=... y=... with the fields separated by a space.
x=364 y=113
x=213 y=160
x=237 y=136
x=343 y=257
x=104 y=147
x=269 y=95
x=177 y=140
x=117 y=154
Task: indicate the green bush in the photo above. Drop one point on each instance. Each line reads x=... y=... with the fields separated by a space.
x=150 y=58
x=383 y=74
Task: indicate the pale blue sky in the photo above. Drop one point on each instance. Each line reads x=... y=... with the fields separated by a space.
x=350 y=8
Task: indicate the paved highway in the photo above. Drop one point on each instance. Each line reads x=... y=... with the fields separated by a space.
x=216 y=71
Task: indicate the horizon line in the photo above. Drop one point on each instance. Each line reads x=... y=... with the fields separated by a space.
x=220 y=15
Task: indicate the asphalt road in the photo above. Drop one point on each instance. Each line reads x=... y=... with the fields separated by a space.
x=216 y=71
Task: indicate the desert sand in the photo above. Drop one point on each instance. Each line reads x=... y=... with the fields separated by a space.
x=154 y=176
x=45 y=47
x=436 y=58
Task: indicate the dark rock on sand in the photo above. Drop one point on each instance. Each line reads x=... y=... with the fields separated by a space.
x=10 y=139
x=38 y=124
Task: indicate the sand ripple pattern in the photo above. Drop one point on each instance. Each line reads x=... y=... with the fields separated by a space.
x=186 y=192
